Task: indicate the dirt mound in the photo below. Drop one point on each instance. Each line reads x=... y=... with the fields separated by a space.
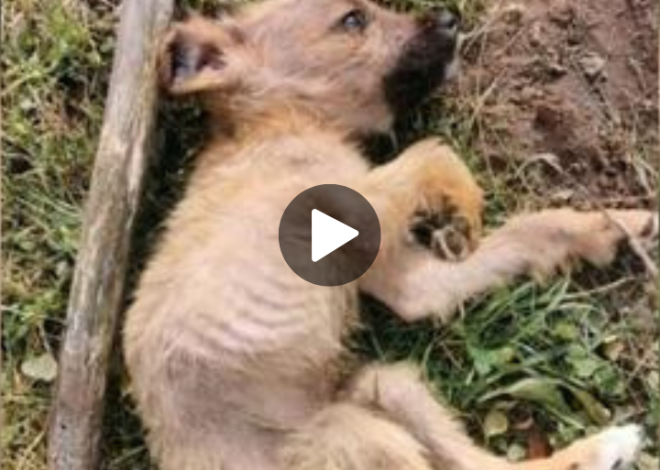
x=571 y=86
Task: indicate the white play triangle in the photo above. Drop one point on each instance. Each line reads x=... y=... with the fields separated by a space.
x=328 y=234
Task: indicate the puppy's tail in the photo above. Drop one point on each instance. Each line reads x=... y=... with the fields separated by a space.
x=347 y=437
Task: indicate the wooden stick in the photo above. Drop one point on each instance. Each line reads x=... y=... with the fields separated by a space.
x=97 y=293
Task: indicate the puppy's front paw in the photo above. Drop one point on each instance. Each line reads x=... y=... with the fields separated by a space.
x=449 y=222
x=599 y=242
x=448 y=233
x=613 y=449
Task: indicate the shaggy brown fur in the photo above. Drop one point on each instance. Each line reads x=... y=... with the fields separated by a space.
x=237 y=363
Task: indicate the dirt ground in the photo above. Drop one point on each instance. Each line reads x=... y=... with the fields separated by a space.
x=570 y=88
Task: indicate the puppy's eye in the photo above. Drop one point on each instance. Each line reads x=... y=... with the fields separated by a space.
x=354 y=21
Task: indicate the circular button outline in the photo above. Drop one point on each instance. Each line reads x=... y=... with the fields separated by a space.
x=347 y=263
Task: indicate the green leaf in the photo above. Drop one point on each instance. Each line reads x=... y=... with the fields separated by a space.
x=583 y=362
x=516 y=453
x=495 y=424
x=486 y=360
x=609 y=382
x=565 y=330
x=585 y=367
x=595 y=409
x=542 y=391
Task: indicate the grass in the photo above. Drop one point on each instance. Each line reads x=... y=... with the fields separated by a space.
x=54 y=63
x=527 y=367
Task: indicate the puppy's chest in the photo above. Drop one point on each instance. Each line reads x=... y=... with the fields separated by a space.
x=293 y=331
x=246 y=299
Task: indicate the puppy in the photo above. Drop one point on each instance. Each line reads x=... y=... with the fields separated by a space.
x=236 y=362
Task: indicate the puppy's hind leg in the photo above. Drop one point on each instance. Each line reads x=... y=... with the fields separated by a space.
x=612 y=449
x=398 y=392
x=346 y=436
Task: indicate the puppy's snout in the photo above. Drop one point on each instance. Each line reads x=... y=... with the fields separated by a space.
x=448 y=20
x=443 y=20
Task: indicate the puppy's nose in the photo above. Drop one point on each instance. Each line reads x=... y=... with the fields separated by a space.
x=441 y=20
x=448 y=20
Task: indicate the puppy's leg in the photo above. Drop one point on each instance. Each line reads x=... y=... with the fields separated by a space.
x=346 y=436
x=427 y=187
x=398 y=391
x=612 y=449
x=416 y=284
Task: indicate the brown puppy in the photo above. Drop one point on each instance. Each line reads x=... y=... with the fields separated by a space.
x=237 y=362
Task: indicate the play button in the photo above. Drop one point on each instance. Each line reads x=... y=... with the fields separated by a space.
x=329 y=235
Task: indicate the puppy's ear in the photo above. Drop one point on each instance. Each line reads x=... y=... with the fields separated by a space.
x=200 y=55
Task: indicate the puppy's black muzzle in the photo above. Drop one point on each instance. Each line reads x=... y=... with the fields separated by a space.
x=424 y=61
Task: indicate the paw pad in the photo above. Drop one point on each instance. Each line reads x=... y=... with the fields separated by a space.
x=448 y=234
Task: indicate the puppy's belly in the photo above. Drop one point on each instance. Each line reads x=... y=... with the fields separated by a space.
x=244 y=337
x=223 y=331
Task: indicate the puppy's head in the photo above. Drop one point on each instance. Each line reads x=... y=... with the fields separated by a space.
x=353 y=63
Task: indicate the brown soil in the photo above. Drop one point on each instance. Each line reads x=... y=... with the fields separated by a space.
x=569 y=88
